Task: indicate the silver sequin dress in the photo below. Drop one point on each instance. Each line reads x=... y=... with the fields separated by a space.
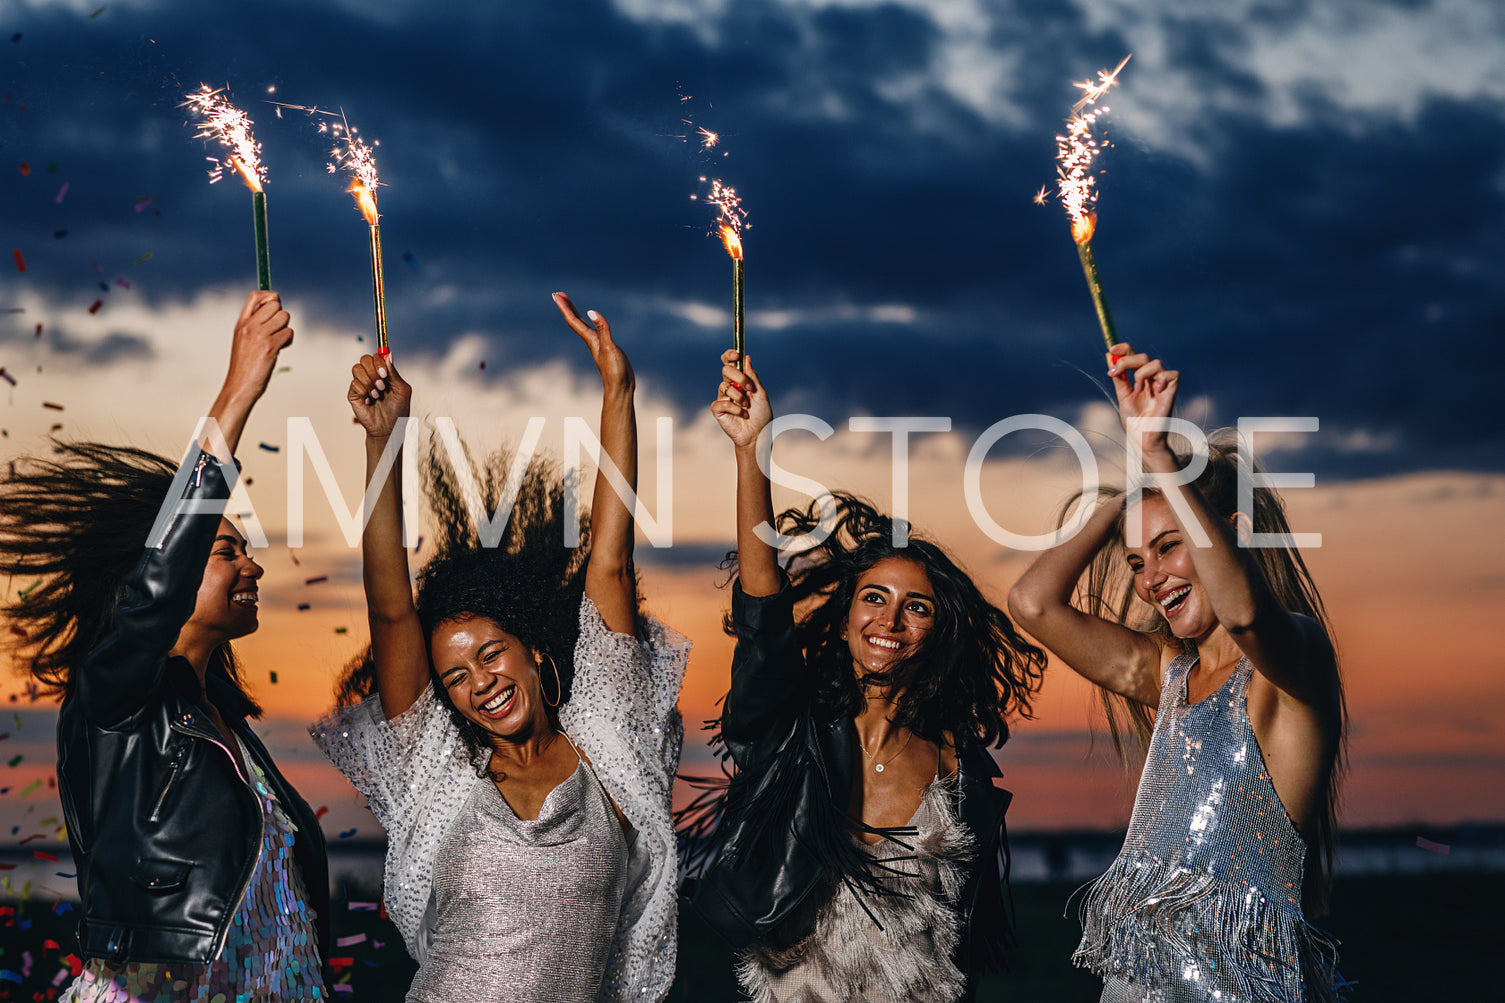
x=1204 y=900
x=899 y=949
x=418 y=782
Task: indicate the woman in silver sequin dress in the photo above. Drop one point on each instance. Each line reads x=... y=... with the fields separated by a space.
x=523 y=738
x=856 y=848
x=1209 y=896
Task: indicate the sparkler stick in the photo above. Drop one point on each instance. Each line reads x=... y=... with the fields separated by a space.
x=1075 y=153
x=367 y=202
x=358 y=158
x=232 y=127
x=732 y=214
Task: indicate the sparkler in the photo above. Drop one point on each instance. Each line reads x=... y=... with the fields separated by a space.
x=232 y=127
x=1075 y=153
x=729 y=204
x=356 y=157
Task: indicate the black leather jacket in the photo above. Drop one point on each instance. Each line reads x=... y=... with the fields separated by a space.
x=165 y=833
x=776 y=742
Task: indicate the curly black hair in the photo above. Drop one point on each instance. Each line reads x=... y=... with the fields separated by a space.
x=77 y=522
x=530 y=584
x=972 y=672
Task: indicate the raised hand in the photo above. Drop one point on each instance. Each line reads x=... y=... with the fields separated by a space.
x=611 y=362
x=1151 y=394
x=378 y=395
x=741 y=406
x=261 y=332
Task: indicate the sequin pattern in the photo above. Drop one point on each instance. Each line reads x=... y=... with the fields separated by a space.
x=1204 y=900
x=271 y=950
x=621 y=715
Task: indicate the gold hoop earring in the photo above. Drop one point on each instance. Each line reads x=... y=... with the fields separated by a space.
x=558 y=686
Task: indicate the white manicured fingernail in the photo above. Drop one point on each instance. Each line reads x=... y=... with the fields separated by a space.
x=381 y=370
x=593 y=315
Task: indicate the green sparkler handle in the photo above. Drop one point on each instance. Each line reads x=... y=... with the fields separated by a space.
x=263 y=254
x=737 y=310
x=1095 y=287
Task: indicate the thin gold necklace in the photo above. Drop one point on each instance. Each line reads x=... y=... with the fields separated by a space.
x=879 y=767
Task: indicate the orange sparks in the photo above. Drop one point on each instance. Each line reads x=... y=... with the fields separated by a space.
x=1077 y=151
x=1092 y=91
x=728 y=205
x=731 y=241
x=708 y=138
x=1042 y=194
x=232 y=128
x=365 y=200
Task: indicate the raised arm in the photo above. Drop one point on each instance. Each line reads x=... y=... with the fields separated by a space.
x=378 y=397
x=1109 y=654
x=743 y=411
x=261 y=332
x=610 y=581
x=1291 y=651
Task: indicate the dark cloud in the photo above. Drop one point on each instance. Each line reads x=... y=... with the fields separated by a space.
x=1332 y=263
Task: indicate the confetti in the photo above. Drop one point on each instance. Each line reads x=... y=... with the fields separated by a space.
x=269 y=447
x=1427 y=844
x=97 y=266
x=44 y=855
x=351 y=941
x=65 y=874
x=15 y=761
x=61 y=191
x=94 y=307
x=97 y=13
x=52 y=406
x=16 y=37
x=7 y=377
x=20 y=261
x=144 y=203
x=59 y=234
x=25 y=169
x=145 y=257
x=323 y=810
x=362 y=906
x=122 y=283
x=410 y=259
x=304 y=607
x=274 y=678
x=30 y=787
x=316 y=580
x=342 y=630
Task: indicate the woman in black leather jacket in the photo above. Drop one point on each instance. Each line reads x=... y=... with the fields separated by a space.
x=200 y=871
x=858 y=851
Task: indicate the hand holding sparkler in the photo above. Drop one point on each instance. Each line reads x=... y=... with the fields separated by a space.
x=741 y=407
x=261 y=332
x=378 y=395
x=1151 y=394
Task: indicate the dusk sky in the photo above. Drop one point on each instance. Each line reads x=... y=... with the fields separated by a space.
x=1303 y=210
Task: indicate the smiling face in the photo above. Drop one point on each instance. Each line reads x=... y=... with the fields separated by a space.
x=225 y=607
x=892 y=610
x=1163 y=573
x=491 y=677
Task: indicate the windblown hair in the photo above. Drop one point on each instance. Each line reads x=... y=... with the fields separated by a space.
x=530 y=584
x=77 y=522
x=971 y=673
x=1107 y=591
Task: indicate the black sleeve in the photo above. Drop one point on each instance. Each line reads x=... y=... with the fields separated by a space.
x=770 y=684
x=123 y=671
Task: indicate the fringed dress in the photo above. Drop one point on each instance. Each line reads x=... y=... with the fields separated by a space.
x=896 y=947
x=1204 y=900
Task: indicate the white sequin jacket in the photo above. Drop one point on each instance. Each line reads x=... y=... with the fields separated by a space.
x=415 y=775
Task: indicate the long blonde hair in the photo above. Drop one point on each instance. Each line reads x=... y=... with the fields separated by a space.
x=1106 y=591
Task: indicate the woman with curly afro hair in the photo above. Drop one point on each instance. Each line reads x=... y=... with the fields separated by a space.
x=522 y=739
x=854 y=853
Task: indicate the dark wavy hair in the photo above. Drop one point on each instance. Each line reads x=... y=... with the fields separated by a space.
x=530 y=584
x=77 y=522
x=1107 y=591
x=971 y=673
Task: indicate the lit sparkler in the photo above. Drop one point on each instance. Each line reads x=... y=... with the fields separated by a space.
x=232 y=128
x=731 y=216
x=1075 y=154
x=708 y=138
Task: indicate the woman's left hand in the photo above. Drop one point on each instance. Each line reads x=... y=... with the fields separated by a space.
x=1151 y=394
x=611 y=361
